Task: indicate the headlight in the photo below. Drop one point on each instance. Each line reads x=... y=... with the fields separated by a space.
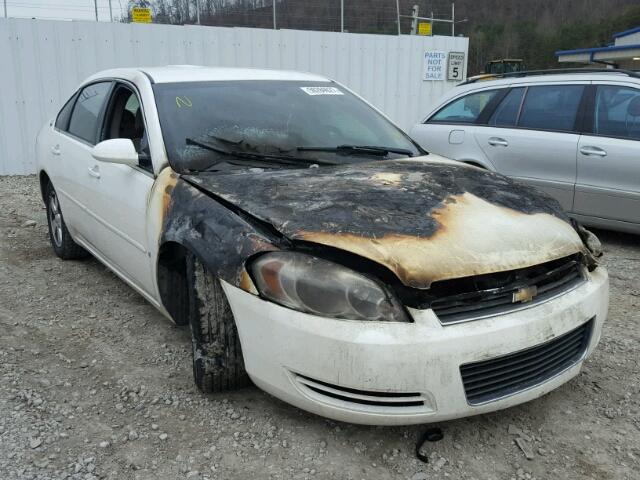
x=324 y=288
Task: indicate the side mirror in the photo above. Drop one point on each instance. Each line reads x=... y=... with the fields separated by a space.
x=116 y=150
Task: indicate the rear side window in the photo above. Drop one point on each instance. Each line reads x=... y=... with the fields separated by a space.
x=617 y=112
x=466 y=109
x=506 y=114
x=86 y=112
x=551 y=107
x=62 y=120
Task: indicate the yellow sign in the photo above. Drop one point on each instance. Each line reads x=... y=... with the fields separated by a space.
x=141 y=15
x=424 y=28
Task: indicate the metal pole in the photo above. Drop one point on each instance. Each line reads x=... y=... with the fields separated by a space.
x=453 y=19
x=274 y=15
x=198 y=12
x=110 y=12
x=5 y=8
x=342 y=15
x=397 y=13
x=414 y=21
x=95 y=6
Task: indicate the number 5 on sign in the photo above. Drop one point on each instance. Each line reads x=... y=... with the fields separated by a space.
x=456 y=66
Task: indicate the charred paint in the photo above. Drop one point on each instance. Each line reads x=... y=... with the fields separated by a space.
x=423 y=220
x=221 y=238
x=472 y=239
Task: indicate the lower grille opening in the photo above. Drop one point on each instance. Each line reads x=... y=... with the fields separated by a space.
x=509 y=374
x=362 y=397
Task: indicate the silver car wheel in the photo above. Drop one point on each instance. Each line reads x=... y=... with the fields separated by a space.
x=55 y=219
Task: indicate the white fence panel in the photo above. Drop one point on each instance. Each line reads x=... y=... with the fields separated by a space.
x=43 y=61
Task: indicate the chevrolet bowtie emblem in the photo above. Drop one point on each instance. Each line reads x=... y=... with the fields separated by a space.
x=524 y=294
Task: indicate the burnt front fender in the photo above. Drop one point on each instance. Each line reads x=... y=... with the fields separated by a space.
x=221 y=236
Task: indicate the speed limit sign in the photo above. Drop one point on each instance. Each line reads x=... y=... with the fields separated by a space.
x=455 y=70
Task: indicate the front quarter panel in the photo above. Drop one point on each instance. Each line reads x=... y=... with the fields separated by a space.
x=222 y=238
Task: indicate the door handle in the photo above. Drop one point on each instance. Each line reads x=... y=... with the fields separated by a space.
x=55 y=150
x=498 y=142
x=94 y=171
x=593 y=151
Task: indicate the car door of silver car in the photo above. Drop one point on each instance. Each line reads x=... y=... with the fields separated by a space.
x=608 y=182
x=532 y=137
x=450 y=131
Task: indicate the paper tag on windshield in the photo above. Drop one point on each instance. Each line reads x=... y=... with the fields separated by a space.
x=321 y=91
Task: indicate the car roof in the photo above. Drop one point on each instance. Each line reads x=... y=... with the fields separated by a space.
x=482 y=83
x=197 y=73
x=550 y=78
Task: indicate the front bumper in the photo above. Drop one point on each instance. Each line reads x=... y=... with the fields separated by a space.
x=401 y=373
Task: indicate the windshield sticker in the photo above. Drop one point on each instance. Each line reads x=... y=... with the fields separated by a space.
x=183 y=102
x=321 y=91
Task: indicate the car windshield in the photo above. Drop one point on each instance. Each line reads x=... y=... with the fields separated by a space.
x=275 y=122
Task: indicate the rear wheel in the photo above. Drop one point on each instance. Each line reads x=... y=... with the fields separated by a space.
x=61 y=241
x=217 y=356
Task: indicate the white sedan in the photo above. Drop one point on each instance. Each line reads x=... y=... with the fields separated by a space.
x=316 y=249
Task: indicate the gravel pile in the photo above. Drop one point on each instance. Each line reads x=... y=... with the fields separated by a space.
x=95 y=384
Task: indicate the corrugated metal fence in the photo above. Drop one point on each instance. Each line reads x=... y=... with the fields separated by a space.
x=43 y=62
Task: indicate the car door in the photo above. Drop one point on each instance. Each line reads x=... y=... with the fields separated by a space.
x=537 y=142
x=122 y=192
x=608 y=183
x=449 y=132
x=73 y=140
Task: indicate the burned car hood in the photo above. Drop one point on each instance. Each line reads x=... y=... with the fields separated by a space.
x=425 y=219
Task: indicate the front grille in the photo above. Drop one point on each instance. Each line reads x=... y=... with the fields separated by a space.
x=503 y=376
x=496 y=293
x=356 y=397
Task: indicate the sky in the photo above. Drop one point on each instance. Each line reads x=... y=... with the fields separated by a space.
x=63 y=9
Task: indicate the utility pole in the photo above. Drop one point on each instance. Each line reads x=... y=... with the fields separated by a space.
x=95 y=6
x=274 y=14
x=398 y=15
x=110 y=12
x=5 y=8
x=198 y=12
x=453 y=19
x=342 y=15
x=414 y=20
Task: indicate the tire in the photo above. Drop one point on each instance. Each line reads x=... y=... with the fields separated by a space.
x=61 y=241
x=218 y=365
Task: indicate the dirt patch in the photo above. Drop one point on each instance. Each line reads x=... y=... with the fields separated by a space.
x=94 y=383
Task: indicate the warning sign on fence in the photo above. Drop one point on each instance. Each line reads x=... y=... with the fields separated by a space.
x=141 y=15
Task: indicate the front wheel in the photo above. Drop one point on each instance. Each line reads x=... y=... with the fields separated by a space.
x=61 y=241
x=218 y=365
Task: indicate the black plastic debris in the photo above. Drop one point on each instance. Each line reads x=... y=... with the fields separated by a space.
x=430 y=435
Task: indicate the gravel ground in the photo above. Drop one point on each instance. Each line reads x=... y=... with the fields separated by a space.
x=94 y=383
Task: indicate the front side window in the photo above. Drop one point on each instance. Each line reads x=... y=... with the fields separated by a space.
x=551 y=107
x=201 y=121
x=506 y=115
x=617 y=112
x=124 y=118
x=86 y=112
x=466 y=109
